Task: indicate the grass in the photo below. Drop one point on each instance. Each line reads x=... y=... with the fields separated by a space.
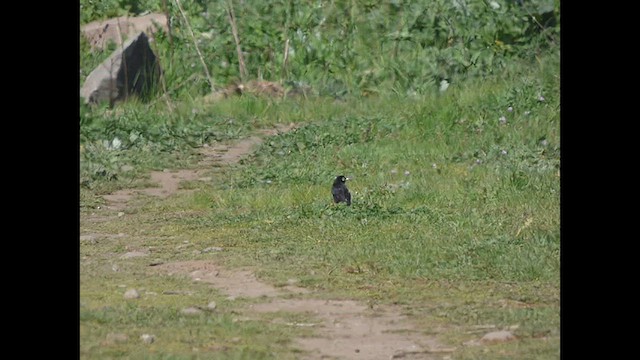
x=455 y=217
x=180 y=336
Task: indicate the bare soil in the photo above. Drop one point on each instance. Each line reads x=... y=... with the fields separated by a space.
x=347 y=329
x=214 y=156
x=344 y=329
x=235 y=283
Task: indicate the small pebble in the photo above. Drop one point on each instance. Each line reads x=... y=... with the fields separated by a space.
x=147 y=339
x=131 y=294
x=212 y=305
x=444 y=85
x=498 y=336
x=191 y=311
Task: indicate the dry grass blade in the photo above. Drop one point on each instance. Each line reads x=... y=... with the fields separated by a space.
x=234 y=29
x=195 y=43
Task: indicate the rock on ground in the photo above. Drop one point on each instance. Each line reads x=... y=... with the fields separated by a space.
x=147 y=338
x=132 y=69
x=100 y=33
x=498 y=336
x=131 y=294
x=191 y=311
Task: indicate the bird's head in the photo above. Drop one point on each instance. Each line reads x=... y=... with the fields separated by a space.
x=341 y=179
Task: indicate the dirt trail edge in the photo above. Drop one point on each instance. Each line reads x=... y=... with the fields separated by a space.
x=344 y=329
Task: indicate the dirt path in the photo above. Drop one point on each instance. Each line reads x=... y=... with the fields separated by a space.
x=345 y=329
x=214 y=156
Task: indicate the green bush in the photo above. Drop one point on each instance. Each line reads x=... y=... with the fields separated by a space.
x=340 y=48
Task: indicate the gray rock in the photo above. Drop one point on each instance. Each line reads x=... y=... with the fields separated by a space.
x=147 y=338
x=100 y=33
x=132 y=294
x=191 y=311
x=498 y=336
x=132 y=69
x=212 y=305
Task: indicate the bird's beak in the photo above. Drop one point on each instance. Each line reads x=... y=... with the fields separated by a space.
x=347 y=178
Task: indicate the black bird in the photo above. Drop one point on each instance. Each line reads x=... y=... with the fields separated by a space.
x=339 y=190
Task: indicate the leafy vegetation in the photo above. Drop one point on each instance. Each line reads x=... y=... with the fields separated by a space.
x=455 y=213
x=340 y=48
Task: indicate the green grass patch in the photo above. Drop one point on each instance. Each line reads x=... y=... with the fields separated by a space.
x=455 y=216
